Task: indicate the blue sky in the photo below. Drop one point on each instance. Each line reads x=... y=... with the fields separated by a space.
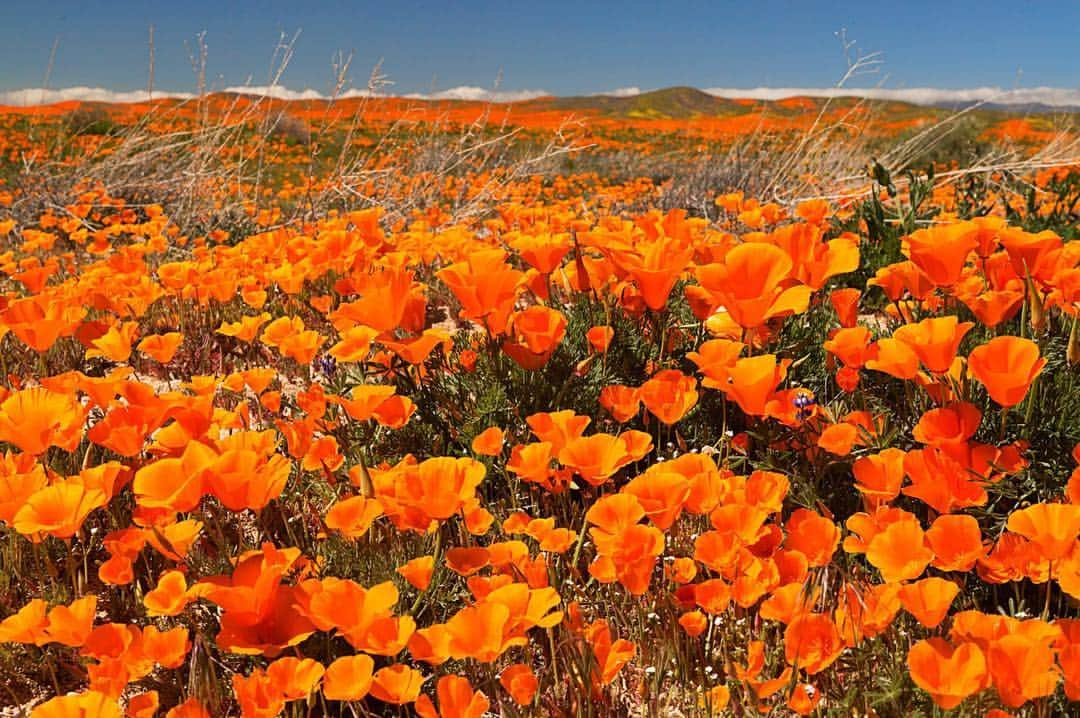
x=561 y=47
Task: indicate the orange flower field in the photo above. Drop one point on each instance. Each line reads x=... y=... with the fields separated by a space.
x=465 y=434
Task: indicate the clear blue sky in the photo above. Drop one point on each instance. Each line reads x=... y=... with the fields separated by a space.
x=563 y=47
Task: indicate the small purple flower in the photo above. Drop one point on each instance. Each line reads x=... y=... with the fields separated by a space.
x=326 y=365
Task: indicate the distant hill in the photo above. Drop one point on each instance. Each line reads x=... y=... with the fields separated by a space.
x=671 y=103
x=668 y=103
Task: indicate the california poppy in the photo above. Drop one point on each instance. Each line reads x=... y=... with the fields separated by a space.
x=928 y=599
x=941 y=251
x=1006 y=366
x=161 y=347
x=934 y=340
x=488 y=442
x=752 y=380
x=669 y=395
x=520 y=682
x=748 y=284
x=34 y=419
x=899 y=551
x=349 y=678
x=949 y=674
x=812 y=643
x=456 y=700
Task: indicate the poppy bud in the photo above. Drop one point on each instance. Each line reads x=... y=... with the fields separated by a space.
x=1035 y=307
x=1072 y=353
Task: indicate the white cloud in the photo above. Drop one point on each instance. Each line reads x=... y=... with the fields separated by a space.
x=470 y=92
x=1053 y=96
x=45 y=96
x=618 y=92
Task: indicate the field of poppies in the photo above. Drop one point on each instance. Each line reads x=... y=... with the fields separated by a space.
x=402 y=412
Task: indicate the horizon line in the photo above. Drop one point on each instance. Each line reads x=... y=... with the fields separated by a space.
x=1059 y=97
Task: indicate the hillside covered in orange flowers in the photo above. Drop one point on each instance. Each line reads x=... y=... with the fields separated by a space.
x=665 y=405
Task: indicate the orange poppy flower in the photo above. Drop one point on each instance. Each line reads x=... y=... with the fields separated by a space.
x=489 y=442
x=531 y=462
x=899 y=551
x=928 y=599
x=1006 y=366
x=934 y=340
x=87 y=703
x=354 y=345
x=115 y=343
x=466 y=561
x=851 y=346
x=654 y=266
x=257 y=694
x=626 y=550
x=866 y=613
x=353 y=517
x=941 y=251
x=242 y=479
x=191 y=708
x=397 y=684
x=788 y=602
x=537 y=332
x=20 y=477
x=717 y=549
x=751 y=381
x=35 y=419
x=486 y=286
x=694 y=623
x=839 y=438
x=611 y=655
x=956 y=541
x=669 y=395
x=437 y=488
x=714 y=359
x=948 y=674
x=170 y=596
x=559 y=427
x=845 y=303
x=749 y=284
x=893 y=357
x=175 y=483
x=418 y=571
x=1028 y=252
x=994 y=307
x=161 y=347
x=941 y=481
x=599 y=338
x=597 y=457
x=1022 y=669
x=1053 y=528
x=948 y=426
x=456 y=700
x=349 y=678
x=145 y=705
x=364 y=616
x=71 y=625
x=39 y=321
x=812 y=643
x=58 y=510
x=520 y=682
x=813 y=535
x=713 y=596
x=544 y=252
x=622 y=402
x=662 y=494
x=246 y=329
x=878 y=477
x=27 y=625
